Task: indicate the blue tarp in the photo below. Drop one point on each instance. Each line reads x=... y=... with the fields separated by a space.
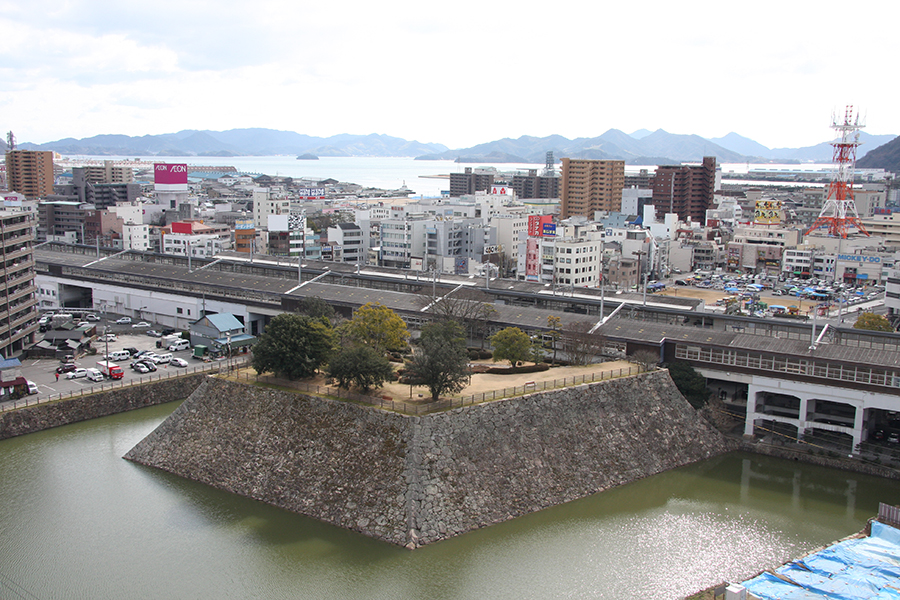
x=858 y=569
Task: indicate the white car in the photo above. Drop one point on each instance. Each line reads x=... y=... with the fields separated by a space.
x=178 y=362
x=141 y=324
x=77 y=373
x=107 y=337
x=123 y=321
x=91 y=317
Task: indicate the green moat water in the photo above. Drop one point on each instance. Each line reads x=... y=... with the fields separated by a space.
x=78 y=521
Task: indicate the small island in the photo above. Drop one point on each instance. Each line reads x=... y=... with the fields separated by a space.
x=307 y=157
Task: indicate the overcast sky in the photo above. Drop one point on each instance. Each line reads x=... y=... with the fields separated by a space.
x=457 y=73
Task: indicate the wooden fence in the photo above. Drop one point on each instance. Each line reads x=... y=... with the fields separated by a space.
x=428 y=406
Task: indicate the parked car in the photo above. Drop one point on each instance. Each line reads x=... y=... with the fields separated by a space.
x=140 y=367
x=77 y=373
x=31 y=386
x=162 y=358
x=140 y=353
x=94 y=375
x=894 y=438
x=66 y=368
x=107 y=337
x=140 y=325
x=91 y=317
x=130 y=350
x=153 y=333
x=146 y=364
x=178 y=362
x=83 y=324
x=123 y=321
x=169 y=331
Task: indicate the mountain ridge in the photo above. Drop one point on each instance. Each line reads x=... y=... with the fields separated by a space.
x=641 y=147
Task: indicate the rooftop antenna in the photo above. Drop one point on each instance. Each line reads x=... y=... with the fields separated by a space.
x=839 y=211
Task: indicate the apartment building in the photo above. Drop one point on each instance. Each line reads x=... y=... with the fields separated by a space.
x=686 y=190
x=30 y=172
x=18 y=297
x=471 y=181
x=589 y=186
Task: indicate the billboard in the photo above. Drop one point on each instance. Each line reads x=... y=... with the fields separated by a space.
x=462 y=265
x=182 y=227
x=501 y=190
x=536 y=224
x=170 y=174
x=311 y=193
x=768 y=212
x=549 y=230
x=245 y=224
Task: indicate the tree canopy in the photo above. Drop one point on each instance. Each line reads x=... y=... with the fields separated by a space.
x=294 y=346
x=512 y=344
x=872 y=322
x=440 y=362
x=360 y=366
x=378 y=327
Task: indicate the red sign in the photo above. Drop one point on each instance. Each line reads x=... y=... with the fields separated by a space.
x=536 y=224
x=170 y=174
x=182 y=227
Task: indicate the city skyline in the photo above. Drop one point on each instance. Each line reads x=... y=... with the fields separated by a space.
x=773 y=73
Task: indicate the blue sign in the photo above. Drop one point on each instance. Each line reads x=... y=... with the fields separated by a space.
x=549 y=230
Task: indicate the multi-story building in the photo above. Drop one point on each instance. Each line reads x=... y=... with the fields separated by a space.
x=30 y=172
x=532 y=185
x=268 y=202
x=18 y=298
x=100 y=194
x=349 y=239
x=109 y=172
x=62 y=219
x=471 y=181
x=589 y=186
x=686 y=190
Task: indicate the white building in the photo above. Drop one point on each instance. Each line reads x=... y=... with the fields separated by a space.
x=268 y=202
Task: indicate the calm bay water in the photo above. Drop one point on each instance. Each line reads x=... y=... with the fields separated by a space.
x=380 y=172
x=78 y=521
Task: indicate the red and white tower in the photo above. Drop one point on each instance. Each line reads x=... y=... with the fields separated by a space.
x=839 y=211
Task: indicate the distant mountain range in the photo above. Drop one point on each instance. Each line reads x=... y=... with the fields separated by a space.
x=885 y=157
x=640 y=147
x=650 y=148
x=237 y=142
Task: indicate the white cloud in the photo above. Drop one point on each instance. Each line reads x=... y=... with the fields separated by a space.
x=457 y=73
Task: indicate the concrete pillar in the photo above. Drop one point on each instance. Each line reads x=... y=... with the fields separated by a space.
x=858 y=424
x=751 y=410
x=801 y=425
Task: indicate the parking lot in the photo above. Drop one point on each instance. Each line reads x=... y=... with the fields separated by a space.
x=43 y=371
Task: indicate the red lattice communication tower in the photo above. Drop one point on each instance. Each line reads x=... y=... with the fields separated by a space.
x=839 y=211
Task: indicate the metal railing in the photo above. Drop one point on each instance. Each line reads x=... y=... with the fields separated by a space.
x=213 y=368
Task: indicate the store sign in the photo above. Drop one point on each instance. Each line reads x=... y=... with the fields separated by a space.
x=861 y=258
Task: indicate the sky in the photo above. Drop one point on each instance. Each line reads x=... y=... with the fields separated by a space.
x=457 y=73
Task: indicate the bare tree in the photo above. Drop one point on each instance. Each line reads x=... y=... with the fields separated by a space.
x=470 y=308
x=645 y=359
x=581 y=346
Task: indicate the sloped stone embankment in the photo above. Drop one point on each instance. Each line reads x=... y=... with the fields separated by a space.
x=416 y=480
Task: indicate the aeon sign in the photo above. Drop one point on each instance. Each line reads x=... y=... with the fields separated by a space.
x=168 y=174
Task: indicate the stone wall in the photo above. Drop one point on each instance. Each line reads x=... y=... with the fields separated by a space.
x=81 y=408
x=416 y=480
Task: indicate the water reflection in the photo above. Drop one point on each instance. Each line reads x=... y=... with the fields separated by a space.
x=89 y=524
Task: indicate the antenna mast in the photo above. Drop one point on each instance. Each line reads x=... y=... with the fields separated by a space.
x=839 y=211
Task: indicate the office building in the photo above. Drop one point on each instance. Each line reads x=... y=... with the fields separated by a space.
x=589 y=186
x=30 y=172
x=686 y=190
x=532 y=185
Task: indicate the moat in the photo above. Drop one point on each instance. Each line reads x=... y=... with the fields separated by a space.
x=79 y=521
